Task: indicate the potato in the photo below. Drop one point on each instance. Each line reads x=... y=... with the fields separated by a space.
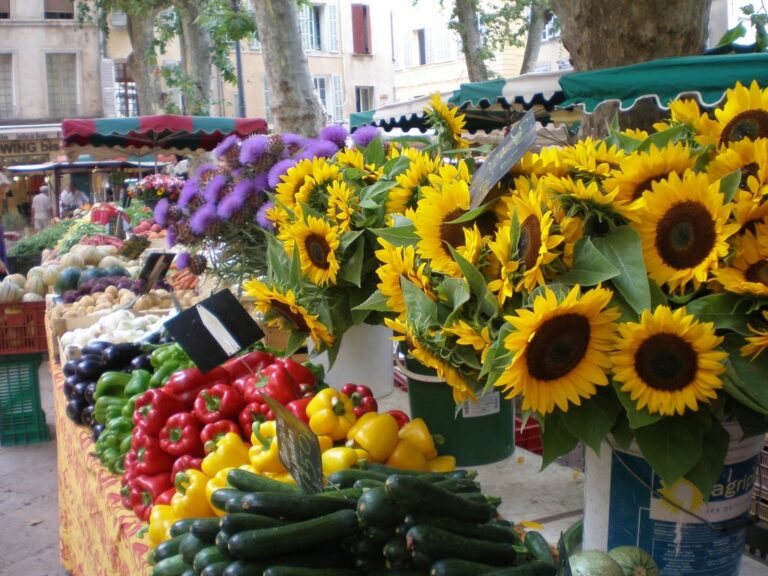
x=111 y=291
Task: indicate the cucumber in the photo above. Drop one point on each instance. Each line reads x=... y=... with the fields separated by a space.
x=532 y=569
x=188 y=572
x=460 y=485
x=205 y=529
x=168 y=548
x=347 y=478
x=222 y=541
x=215 y=569
x=190 y=547
x=379 y=533
x=302 y=571
x=456 y=567
x=402 y=572
x=367 y=483
x=417 y=495
x=396 y=553
x=377 y=507
x=181 y=526
x=488 y=531
x=293 y=506
x=424 y=475
x=208 y=556
x=237 y=522
x=173 y=566
x=264 y=542
x=344 y=493
x=438 y=543
x=250 y=482
x=319 y=557
x=538 y=547
x=231 y=497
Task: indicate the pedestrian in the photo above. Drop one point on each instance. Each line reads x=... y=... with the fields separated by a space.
x=41 y=208
x=71 y=199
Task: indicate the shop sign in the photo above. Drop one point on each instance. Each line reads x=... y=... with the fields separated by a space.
x=27 y=147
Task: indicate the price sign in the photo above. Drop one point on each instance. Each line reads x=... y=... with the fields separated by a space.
x=499 y=162
x=155 y=269
x=214 y=330
x=299 y=449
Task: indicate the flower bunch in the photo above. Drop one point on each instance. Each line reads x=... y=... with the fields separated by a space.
x=155 y=187
x=618 y=287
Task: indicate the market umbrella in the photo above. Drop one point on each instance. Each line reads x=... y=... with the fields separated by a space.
x=151 y=134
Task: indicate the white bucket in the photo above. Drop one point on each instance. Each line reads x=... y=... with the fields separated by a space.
x=620 y=509
x=365 y=357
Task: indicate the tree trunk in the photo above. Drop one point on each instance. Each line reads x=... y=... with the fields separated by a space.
x=295 y=106
x=600 y=34
x=142 y=62
x=196 y=49
x=471 y=40
x=536 y=23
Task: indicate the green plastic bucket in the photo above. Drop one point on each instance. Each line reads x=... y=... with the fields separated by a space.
x=480 y=432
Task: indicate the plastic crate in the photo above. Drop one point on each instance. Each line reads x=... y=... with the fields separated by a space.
x=529 y=437
x=22 y=420
x=22 y=328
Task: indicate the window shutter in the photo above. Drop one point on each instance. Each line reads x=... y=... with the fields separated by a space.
x=333 y=27
x=267 y=101
x=408 y=44
x=108 y=102
x=338 y=100
x=429 y=51
x=358 y=42
x=304 y=27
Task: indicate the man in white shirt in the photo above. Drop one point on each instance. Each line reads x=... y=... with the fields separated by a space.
x=71 y=199
x=41 y=208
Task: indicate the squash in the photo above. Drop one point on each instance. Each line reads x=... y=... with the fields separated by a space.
x=634 y=561
x=19 y=279
x=32 y=297
x=35 y=271
x=89 y=274
x=50 y=272
x=36 y=285
x=66 y=280
x=72 y=260
x=90 y=255
x=594 y=563
x=105 y=251
x=109 y=261
x=10 y=291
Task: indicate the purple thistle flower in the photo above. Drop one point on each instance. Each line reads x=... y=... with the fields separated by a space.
x=260 y=182
x=214 y=188
x=318 y=149
x=253 y=148
x=161 y=211
x=334 y=133
x=278 y=170
x=170 y=237
x=203 y=171
x=226 y=145
x=235 y=200
x=261 y=217
x=364 y=135
x=182 y=260
x=188 y=192
x=204 y=217
x=294 y=142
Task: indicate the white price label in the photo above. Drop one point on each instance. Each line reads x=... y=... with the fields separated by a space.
x=485 y=405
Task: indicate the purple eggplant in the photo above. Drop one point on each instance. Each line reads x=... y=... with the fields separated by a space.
x=118 y=356
x=69 y=367
x=75 y=409
x=90 y=367
x=88 y=391
x=69 y=385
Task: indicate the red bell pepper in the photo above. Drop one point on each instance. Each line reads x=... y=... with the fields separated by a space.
x=166 y=497
x=185 y=463
x=153 y=486
x=299 y=408
x=401 y=417
x=150 y=458
x=153 y=408
x=141 y=503
x=243 y=384
x=247 y=364
x=181 y=435
x=361 y=397
x=219 y=402
x=299 y=373
x=275 y=382
x=215 y=430
x=253 y=411
x=190 y=379
x=307 y=391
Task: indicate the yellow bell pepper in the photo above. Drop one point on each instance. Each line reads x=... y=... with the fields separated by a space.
x=216 y=483
x=442 y=464
x=406 y=457
x=282 y=477
x=417 y=433
x=330 y=412
x=230 y=452
x=326 y=442
x=338 y=458
x=160 y=521
x=248 y=467
x=264 y=455
x=359 y=422
x=191 y=498
x=377 y=436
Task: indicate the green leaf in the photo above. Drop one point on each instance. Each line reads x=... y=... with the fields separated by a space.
x=352 y=269
x=455 y=291
x=728 y=311
x=294 y=278
x=557 y=439
x=376 y=302
x=661 y=139
x=472 y=214
x=376 y=192
x=751 y=422
x=707 y=470
x=396 y=166
x=498 y=357
x=590 y=267
x=348 y=238
x=621 y=432
x=627 y=313
x=672 y=446
x=732 y=35
x=750 y=375
x=420 y=308
x=477 y=285
x=624 y=249
x=296 y=340
x=592 y=421
x=729 y=184
x=354 y=174
x=399 y=235
x=277 y=259
x=374 y=153
x=425 y=140
x=658 y=298
x=637 y=418
x=734 y=391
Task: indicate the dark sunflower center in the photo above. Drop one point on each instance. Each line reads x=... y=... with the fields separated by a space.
x=752 y=124
x=453 y=234
x=529 y=243
x=318 y=250
x=758 y=272
x=558 y=346
x=685 y=235
x=666 y=362
x=644 y=186
x=296 y=319
x=748 y=170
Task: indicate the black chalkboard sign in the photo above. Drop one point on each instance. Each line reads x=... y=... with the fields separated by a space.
x=155 y=269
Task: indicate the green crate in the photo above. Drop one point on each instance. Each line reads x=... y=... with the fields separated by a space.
x=22 y=420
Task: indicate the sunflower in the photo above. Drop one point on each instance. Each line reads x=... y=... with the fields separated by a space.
x=342 y=204
x=292 y=181
x=635 y=134
x=687 y=111
x=432 y=220
x=505 y=266
x=748 y=271
x=560 y=349
x=668 y=362
x=406 y=194
x=313 y=192
x=468 y=335
x=473 y=247
x=400 y=262
x=281 y=308
x=546 y=161
x=317 y=241
x=744 y=115
x=447 y=121
x=591 y=157
x=683 y=229
x=353 y=158
x=749 y=156
x=638 y=171
x=758 y=343
x=278 y=216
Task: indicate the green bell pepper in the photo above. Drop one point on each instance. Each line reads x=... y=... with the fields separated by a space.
x=166 y=353
x=164 y=372
x=138 y=384
x=111 y=384
x=107 y=408
x=130 y=406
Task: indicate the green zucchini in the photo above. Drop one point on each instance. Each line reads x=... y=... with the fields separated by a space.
x=293 y=506
x=438 y=543
x=396 y=553
x=347 y=478
x=344 y=493
x=231 y=497
x=237 y=522
x=250 y=482
x=488 y=531
x=188 y=572
x=538 y=547
x=324 y=556
x=264 y=542
x=168 y=548
x=417 y=495
x=303 y=571
x=456 y=567
x=205 y=529
x=222 y=541
x=181 y=526
x=434 y=476
x=532 y=569
x=215 y=569
x=377 y=507
x=402 y=572
x=379 y=533
x=173 y=566
x=190 y=547
x=367 y=483
x=459 y=485
x=208 y=556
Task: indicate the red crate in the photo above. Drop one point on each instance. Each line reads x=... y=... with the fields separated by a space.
x=528 y=437
x=22 y=328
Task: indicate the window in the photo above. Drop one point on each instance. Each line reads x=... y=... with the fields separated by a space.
x=6 y=86
x=267 y=101
x=361 y=29
x=126 y=100
x=5 y=9
x=551 y=30
x=61 y=72
x=319 y=28
x=118 y=18
x=321 y=91
x=363 y=98
x=59 y=9
x=421 y=45
x=338 y=100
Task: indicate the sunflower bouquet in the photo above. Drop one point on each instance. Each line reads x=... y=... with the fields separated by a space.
x=618 y=287
x=155 y=187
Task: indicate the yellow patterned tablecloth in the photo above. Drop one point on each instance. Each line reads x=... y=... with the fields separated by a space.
x=97 y=535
